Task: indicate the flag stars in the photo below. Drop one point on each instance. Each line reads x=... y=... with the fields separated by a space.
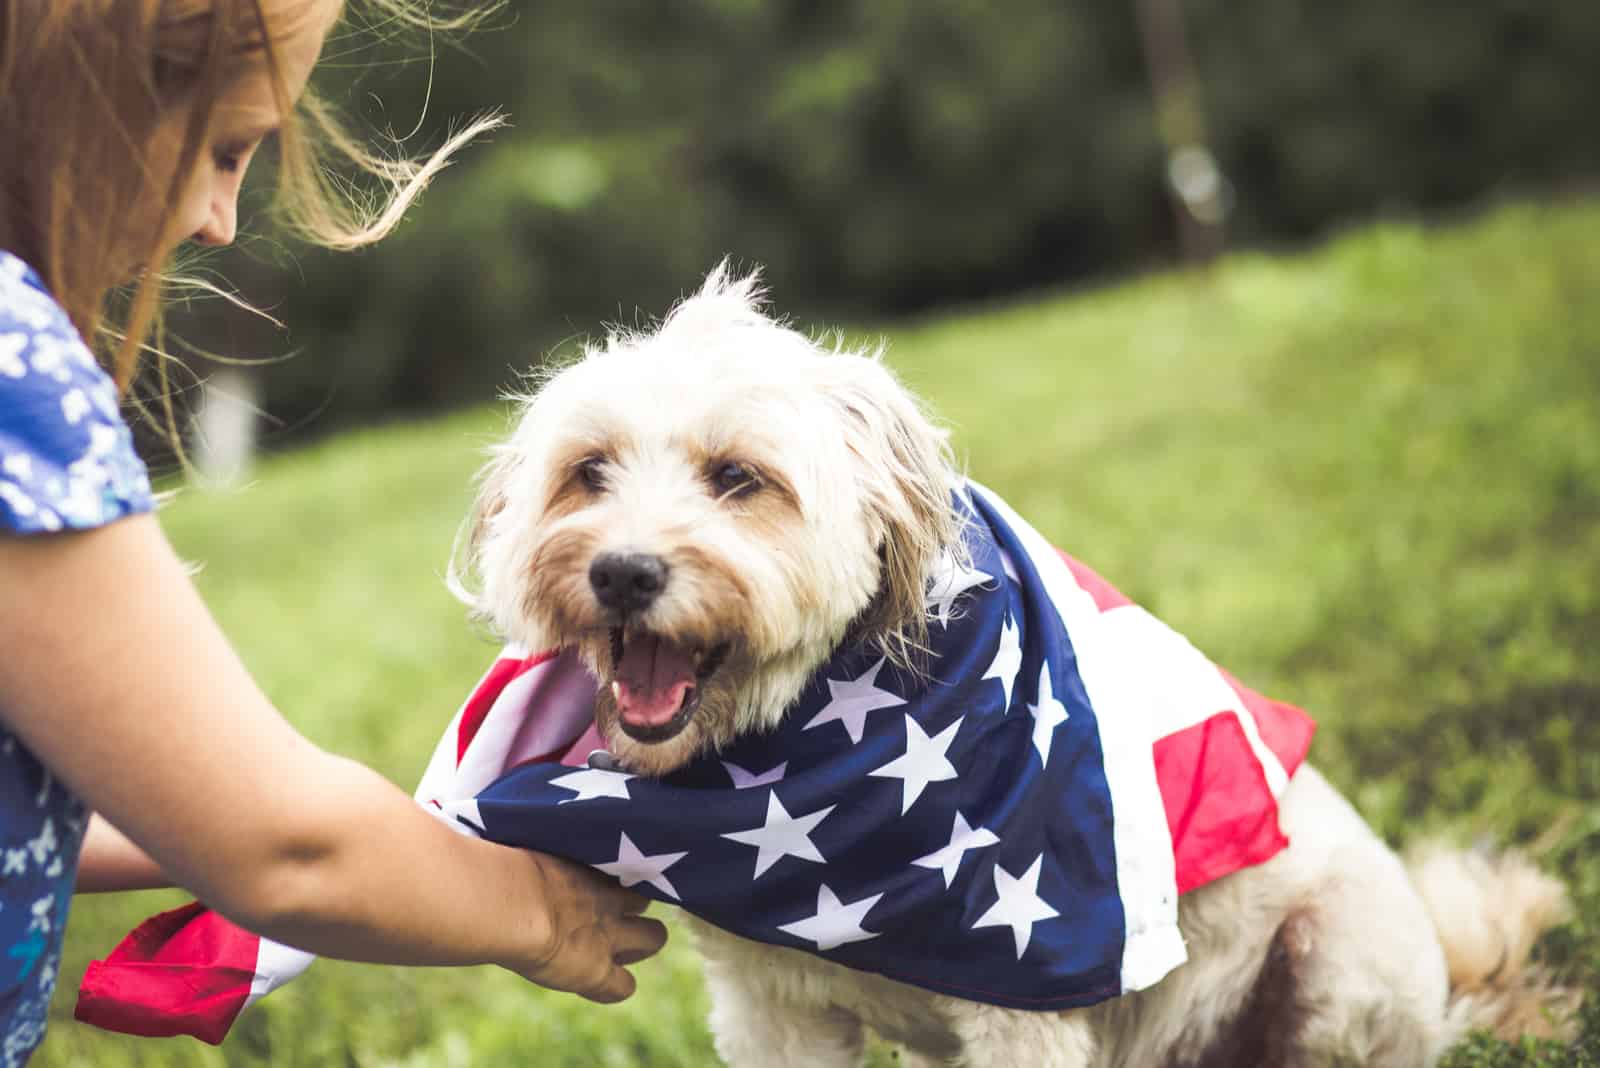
x=923 y=762
x=632 y=867
x=745 y=780
x=1048 y=714
x=1007 y=661
x=947 y=859
x=852 y=700
x=950 y=580
x=835 y=924
x=782 y=835
x=1017 y=905
x=594 y=782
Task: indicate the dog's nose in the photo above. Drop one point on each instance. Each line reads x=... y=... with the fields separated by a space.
x=627 y=582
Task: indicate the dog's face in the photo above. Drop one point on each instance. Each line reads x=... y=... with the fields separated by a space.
x=705 y=512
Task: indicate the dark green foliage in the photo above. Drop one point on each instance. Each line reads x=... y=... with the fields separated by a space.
x=883 y=157
x=1481 y=1051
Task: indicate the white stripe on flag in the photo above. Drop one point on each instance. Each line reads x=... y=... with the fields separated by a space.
x=485 y=758
x=276 y=964
x=1178 y=687
x=1146 y=867
x=440 y=775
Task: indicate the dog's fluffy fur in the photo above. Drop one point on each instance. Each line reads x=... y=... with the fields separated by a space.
x=795 y=497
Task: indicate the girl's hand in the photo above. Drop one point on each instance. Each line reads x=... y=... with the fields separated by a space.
x=586 y=930
x=115 y=676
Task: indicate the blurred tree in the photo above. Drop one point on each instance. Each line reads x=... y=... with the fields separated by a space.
x=878 y=157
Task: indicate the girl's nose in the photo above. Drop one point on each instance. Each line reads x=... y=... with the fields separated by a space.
x=221 y=225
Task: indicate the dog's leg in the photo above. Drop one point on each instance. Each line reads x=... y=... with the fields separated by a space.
x=1351 y=970
x=769 y=1011
x=992 y=1036
x=752 y=1031
x=1366 y=959
x=1323 y=955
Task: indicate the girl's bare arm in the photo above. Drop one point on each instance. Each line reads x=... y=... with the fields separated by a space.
x=110 y=861
x=118 y=679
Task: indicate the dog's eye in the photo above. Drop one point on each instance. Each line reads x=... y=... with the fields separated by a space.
x=592 y=472
x=734 y=479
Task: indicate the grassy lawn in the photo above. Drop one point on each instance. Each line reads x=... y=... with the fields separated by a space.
x=1366 y=478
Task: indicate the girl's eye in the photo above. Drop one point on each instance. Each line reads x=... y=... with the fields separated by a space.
x=230 y=158
x=591 y=472
x=734 y=479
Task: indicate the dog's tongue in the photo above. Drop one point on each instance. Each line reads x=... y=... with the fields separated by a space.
x=652 y=678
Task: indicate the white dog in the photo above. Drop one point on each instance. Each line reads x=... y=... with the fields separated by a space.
x=707 y=511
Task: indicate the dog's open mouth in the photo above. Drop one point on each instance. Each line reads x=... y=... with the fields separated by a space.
x=657 y=682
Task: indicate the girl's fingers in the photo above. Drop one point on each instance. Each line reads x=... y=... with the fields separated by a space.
x=604 y=933
x=618 y=986
x=636 y=939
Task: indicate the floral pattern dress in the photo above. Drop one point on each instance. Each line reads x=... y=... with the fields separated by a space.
x=66 y=463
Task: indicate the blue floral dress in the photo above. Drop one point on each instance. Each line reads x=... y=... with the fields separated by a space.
x=66 y=463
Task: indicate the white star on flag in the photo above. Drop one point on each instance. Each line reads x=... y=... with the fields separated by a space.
x=852 y=700
x=1018 y=905
x=782 y=835
x=594 y=782
x=947 y=859
x=1048 y=714
x=1007 y=660
x=923 y=762
x=835 y=923
x=632 y=866
x=744 y=780
x=950 y=581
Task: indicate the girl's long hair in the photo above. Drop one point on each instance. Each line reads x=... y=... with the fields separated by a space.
x=83 y=85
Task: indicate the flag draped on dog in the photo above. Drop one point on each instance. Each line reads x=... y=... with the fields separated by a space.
x=1011 y=824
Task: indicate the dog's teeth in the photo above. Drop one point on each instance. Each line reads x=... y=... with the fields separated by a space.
x=616 y=690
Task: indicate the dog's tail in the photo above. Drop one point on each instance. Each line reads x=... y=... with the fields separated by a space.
x=1489 y=910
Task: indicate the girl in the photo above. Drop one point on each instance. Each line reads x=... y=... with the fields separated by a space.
x=125 y=129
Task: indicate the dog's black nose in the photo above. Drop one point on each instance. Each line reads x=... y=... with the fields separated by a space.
x=627 y=582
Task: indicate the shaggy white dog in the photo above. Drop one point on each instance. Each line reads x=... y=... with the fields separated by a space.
x=707 y=510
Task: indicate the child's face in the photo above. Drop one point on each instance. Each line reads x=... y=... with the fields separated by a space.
x=245 y=114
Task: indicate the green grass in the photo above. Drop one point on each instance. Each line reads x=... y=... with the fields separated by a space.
x=1367 y=478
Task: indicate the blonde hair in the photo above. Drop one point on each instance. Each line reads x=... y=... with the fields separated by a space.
x=83 y=84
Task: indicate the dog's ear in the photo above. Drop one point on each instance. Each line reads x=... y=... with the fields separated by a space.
x=908 y=479
x=466 y=554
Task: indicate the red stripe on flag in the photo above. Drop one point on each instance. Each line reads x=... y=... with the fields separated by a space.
x=1220 y=810
x=1285 y=729
x=184 y=972
x=483 y=698
x=1106 y=596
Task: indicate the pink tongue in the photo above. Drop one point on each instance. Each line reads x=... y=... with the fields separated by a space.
x=652 y=679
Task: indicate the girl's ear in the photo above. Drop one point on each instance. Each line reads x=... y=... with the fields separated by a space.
x=908 y=480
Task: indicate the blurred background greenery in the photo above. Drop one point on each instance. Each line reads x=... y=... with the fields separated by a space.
x=878 y=158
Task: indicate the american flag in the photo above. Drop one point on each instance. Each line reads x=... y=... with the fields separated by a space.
x=1013 y=825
